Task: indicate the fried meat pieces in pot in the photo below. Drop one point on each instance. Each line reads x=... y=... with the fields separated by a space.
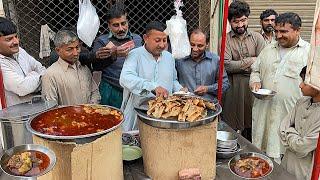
x=178 y=107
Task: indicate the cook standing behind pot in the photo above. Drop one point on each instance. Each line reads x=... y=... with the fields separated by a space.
x=147 y=69
x=67 y=81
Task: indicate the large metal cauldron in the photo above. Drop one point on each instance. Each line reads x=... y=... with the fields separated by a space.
x=79 y=139
x=14 y=118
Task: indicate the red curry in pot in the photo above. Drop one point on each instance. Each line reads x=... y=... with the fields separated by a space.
x=251 y=167
x=77 y=120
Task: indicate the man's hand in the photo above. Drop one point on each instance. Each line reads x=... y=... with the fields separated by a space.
x=160 y=91
x=201 y=90
x=122 y=51
x=104 y=52
x=255 y=86
x=247 y=62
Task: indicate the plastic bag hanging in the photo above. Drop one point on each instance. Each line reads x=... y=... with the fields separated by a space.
x=88 y=23
x=177 y=31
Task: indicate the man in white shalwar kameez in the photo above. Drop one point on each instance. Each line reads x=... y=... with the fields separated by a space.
x=277 y=68
x=147 y=71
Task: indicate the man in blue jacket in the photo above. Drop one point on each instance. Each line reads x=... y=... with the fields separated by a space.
x=119 y=41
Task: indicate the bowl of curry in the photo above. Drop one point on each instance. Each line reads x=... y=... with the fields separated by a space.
x=28 y=160
x=75 y=122
x=251 y=165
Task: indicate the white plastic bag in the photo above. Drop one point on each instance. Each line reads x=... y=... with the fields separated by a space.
x=177 y=31
x=88 y=23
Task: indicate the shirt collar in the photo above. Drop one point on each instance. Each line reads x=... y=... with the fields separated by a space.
x=301 y=43
x=66 y=65
x=265 y=36
x=128 y=36
x=313 y=104
x=14 y=57
x=144 y=47
x=246 y=34
x=205 y=56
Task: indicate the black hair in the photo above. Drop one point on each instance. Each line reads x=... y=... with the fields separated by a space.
x=303 y=72
x=268 y=12
x=198 y=31
x=238 y=9
x=116 y=11
x=7 y=27
x=291 y=18
x=155 y=25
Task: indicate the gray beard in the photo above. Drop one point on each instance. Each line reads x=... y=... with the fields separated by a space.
x=120 y=37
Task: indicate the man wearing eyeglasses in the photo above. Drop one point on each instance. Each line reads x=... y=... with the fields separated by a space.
x=242 y=48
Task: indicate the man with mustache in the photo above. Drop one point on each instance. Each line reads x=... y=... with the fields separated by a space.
x=148 y=70
x=267 y=19
x=21 y=72
x=242 y=48
x=67 y=81
x=199 y=71
x=277 y=68
x=119 y=41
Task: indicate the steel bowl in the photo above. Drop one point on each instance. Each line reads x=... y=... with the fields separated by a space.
x=228 y=154
x=80 y=139
x=226 y=139
x=224 y=136
x=223 y=145
x=227 y=149
x=264 y=94
x=26 y=147
x=250 y=154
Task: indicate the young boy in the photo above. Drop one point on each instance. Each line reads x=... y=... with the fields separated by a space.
x=299 y=132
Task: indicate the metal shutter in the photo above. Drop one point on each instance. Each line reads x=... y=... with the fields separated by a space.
x=304 y=8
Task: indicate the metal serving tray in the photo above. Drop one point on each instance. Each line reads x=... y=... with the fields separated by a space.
x=172 y=123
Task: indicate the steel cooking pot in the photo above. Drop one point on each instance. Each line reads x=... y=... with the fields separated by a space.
x=14 y=118
x=78 y=139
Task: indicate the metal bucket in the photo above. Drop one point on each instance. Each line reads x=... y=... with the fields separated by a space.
x=14 y=119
